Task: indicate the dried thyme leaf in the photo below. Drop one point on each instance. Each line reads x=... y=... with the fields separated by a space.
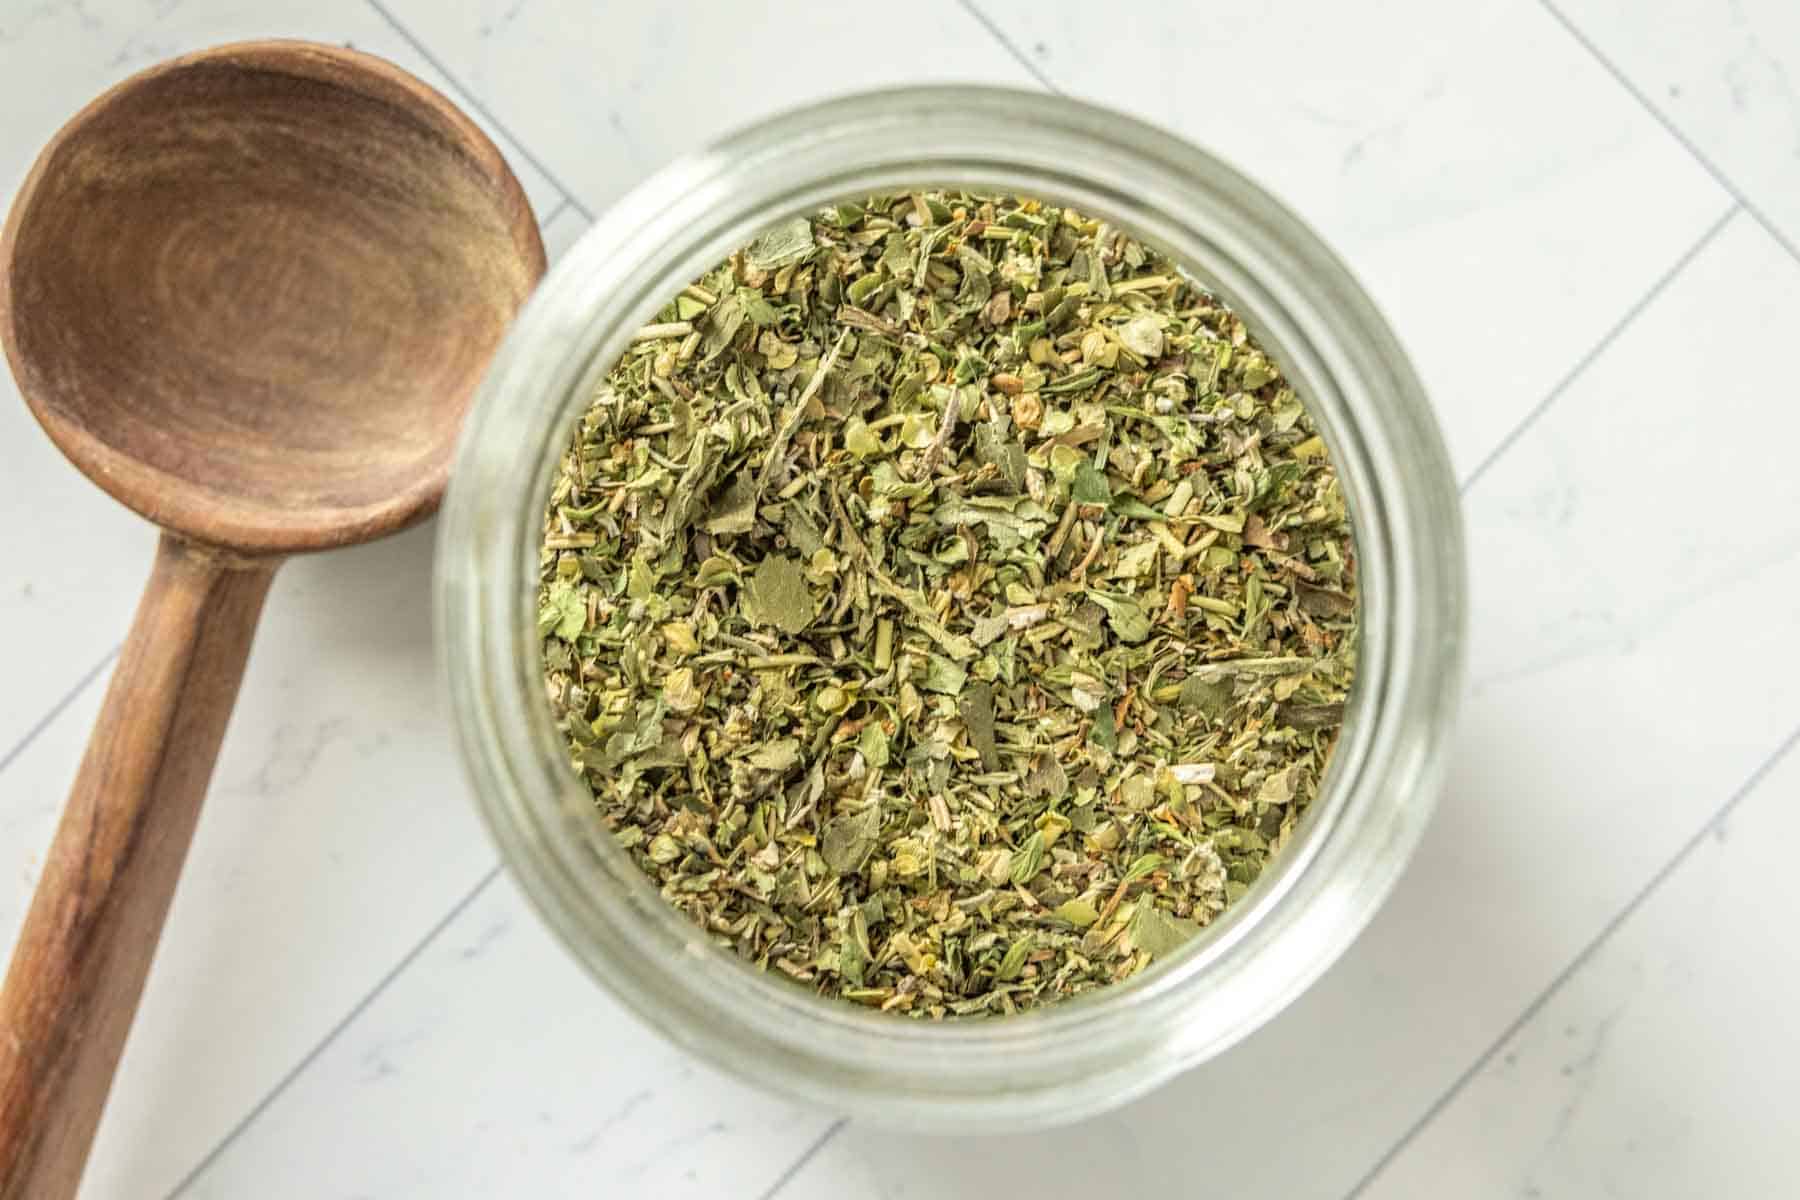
x=944 y=675
x=1047 y=778
x=1157 y=933
x=1014 y=962
x=735 y=509
x=978 y=715
x=1028 y=860
x=787 y=243
x=776 y=756
x=563 y=611
x=850 y=839
x=1128 y=621
x=777 y=595
x=1078 y=913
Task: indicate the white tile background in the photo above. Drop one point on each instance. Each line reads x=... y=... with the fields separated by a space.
x=1581 y=216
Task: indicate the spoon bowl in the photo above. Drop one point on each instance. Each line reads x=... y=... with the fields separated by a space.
x=250 y=293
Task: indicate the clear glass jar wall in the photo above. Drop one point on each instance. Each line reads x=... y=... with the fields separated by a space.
x=1075 y=1058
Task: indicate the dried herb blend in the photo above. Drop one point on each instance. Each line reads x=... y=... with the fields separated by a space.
x=948 y=604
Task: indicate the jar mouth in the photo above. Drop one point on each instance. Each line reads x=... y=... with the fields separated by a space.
x=1073 y=1057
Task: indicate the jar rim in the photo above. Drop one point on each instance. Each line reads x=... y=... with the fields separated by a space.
x=1073 y=1057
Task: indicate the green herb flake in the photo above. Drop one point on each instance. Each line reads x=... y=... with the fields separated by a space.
x=948 y=604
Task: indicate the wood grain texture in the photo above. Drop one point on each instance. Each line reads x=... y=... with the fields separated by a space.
x=250 y=293
x=80 y=963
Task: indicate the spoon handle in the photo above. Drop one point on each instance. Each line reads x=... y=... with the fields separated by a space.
x=80 y=962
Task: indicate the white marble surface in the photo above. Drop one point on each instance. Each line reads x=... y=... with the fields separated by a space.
x=1580 y=219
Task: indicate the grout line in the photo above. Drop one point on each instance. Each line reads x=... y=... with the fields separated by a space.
x=559 y=210
x=999 y=35
x=806 y=1156
x=1600 y=347
x=1719 y=177
x=1581 y=959
x=475 y=103
x=311 y=1056
x=56 y=710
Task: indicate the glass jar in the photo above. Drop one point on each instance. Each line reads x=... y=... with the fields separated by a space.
x=1066 y=1060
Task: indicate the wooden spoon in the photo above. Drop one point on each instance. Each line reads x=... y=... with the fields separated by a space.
x=249 y=292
